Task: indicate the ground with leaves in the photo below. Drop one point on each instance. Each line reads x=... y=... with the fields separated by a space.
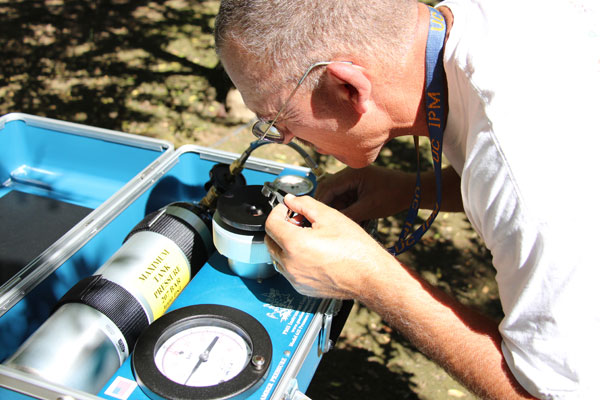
x=149 y=68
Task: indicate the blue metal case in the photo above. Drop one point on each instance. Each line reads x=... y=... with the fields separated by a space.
x=121 y=178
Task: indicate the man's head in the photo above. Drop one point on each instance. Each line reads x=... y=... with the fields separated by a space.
x=267 y=45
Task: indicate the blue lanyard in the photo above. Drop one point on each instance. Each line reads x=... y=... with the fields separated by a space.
x=435 y=101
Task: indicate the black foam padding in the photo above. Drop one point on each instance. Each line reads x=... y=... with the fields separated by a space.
x=29 y=224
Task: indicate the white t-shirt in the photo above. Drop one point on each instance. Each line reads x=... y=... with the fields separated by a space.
x=523 y=132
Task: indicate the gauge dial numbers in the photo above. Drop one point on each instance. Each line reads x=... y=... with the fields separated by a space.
x=203 y=355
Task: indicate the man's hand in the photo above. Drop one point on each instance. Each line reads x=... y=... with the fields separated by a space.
x=336 y=258
x=367 y=193
x=326 y=260
x=376 y=192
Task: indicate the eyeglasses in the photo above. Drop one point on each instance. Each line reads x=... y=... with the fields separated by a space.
x=266 y=130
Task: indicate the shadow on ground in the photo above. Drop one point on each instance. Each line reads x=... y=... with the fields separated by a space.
x=114 y=64
x=353 y=375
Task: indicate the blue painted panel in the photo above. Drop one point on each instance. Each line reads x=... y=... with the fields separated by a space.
x=74 y=168
x=6 y=394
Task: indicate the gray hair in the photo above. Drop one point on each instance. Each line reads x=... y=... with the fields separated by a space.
x=289 y=35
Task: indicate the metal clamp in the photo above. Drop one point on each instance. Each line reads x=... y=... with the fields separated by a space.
x=293 y=392
x=275 y=195
x=325 y=342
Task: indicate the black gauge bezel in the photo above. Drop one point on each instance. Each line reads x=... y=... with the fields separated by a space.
x=157 y=386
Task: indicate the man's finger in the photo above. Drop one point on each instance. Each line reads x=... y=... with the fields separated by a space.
x=310 y=208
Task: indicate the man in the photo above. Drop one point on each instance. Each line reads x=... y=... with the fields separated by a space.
x=520 y=133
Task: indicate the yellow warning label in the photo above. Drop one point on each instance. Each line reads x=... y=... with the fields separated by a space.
x=164 y=278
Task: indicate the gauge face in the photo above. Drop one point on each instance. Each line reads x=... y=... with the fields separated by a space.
x=203 y=355
x=202 y=352
x=294 y=184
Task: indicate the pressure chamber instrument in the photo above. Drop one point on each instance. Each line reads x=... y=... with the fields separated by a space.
x=96 y=323
x=95 y=326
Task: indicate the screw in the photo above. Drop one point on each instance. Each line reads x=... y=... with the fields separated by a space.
x=258 y=361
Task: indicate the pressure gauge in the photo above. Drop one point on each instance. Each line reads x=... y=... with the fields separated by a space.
x=294 y=184
x=202 y=352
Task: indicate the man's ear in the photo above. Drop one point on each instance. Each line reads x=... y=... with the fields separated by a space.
x=354 y=85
